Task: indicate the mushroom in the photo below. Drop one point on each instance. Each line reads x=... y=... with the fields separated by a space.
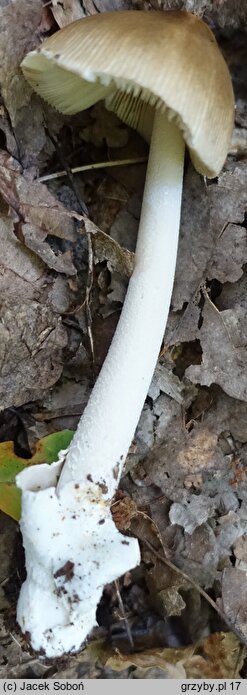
x=163 y=74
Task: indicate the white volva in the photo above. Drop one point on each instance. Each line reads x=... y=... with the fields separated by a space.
x=72 y=549
x=71 y=542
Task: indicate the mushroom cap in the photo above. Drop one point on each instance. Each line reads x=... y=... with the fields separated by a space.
x=139 y=61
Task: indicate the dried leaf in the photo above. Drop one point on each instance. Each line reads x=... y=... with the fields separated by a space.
x=110 y=5
x=229 y=255
x=234 y=597
x=164 y=380
x=16 y=262
x=240 y=552
x=89 y=7
x=204 y=252
x=217 y=656
x=195 y=240
x=223 y=361
x=34 y=238
x=37 y=219
x=223 y=13
x=123 y=511
x=32 y=339
x=180 y=453
x=66 y=11
x=239 y=142
x=66 y=401
x=192 y=514
x=20 y=33
x=32 y=334
x=228 y=197
x=32 y=201
x=105 y=248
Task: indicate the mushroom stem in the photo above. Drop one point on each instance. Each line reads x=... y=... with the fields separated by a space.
x=68 y=531
x=106 y=428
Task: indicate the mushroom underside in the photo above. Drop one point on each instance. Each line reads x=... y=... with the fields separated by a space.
x=71 y=92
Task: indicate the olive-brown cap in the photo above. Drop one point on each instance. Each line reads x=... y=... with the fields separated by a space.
x=139 y=61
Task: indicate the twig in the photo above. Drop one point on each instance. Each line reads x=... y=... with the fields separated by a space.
x=128 y=630
x=201 y=591
x=88 y=296
x=15 y=640
x=90 y=167
x=69 y=172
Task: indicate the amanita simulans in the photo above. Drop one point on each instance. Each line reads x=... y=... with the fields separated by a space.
x=163 y=74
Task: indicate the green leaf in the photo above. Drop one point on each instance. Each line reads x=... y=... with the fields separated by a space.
x=10 y=500
x=46 y=451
